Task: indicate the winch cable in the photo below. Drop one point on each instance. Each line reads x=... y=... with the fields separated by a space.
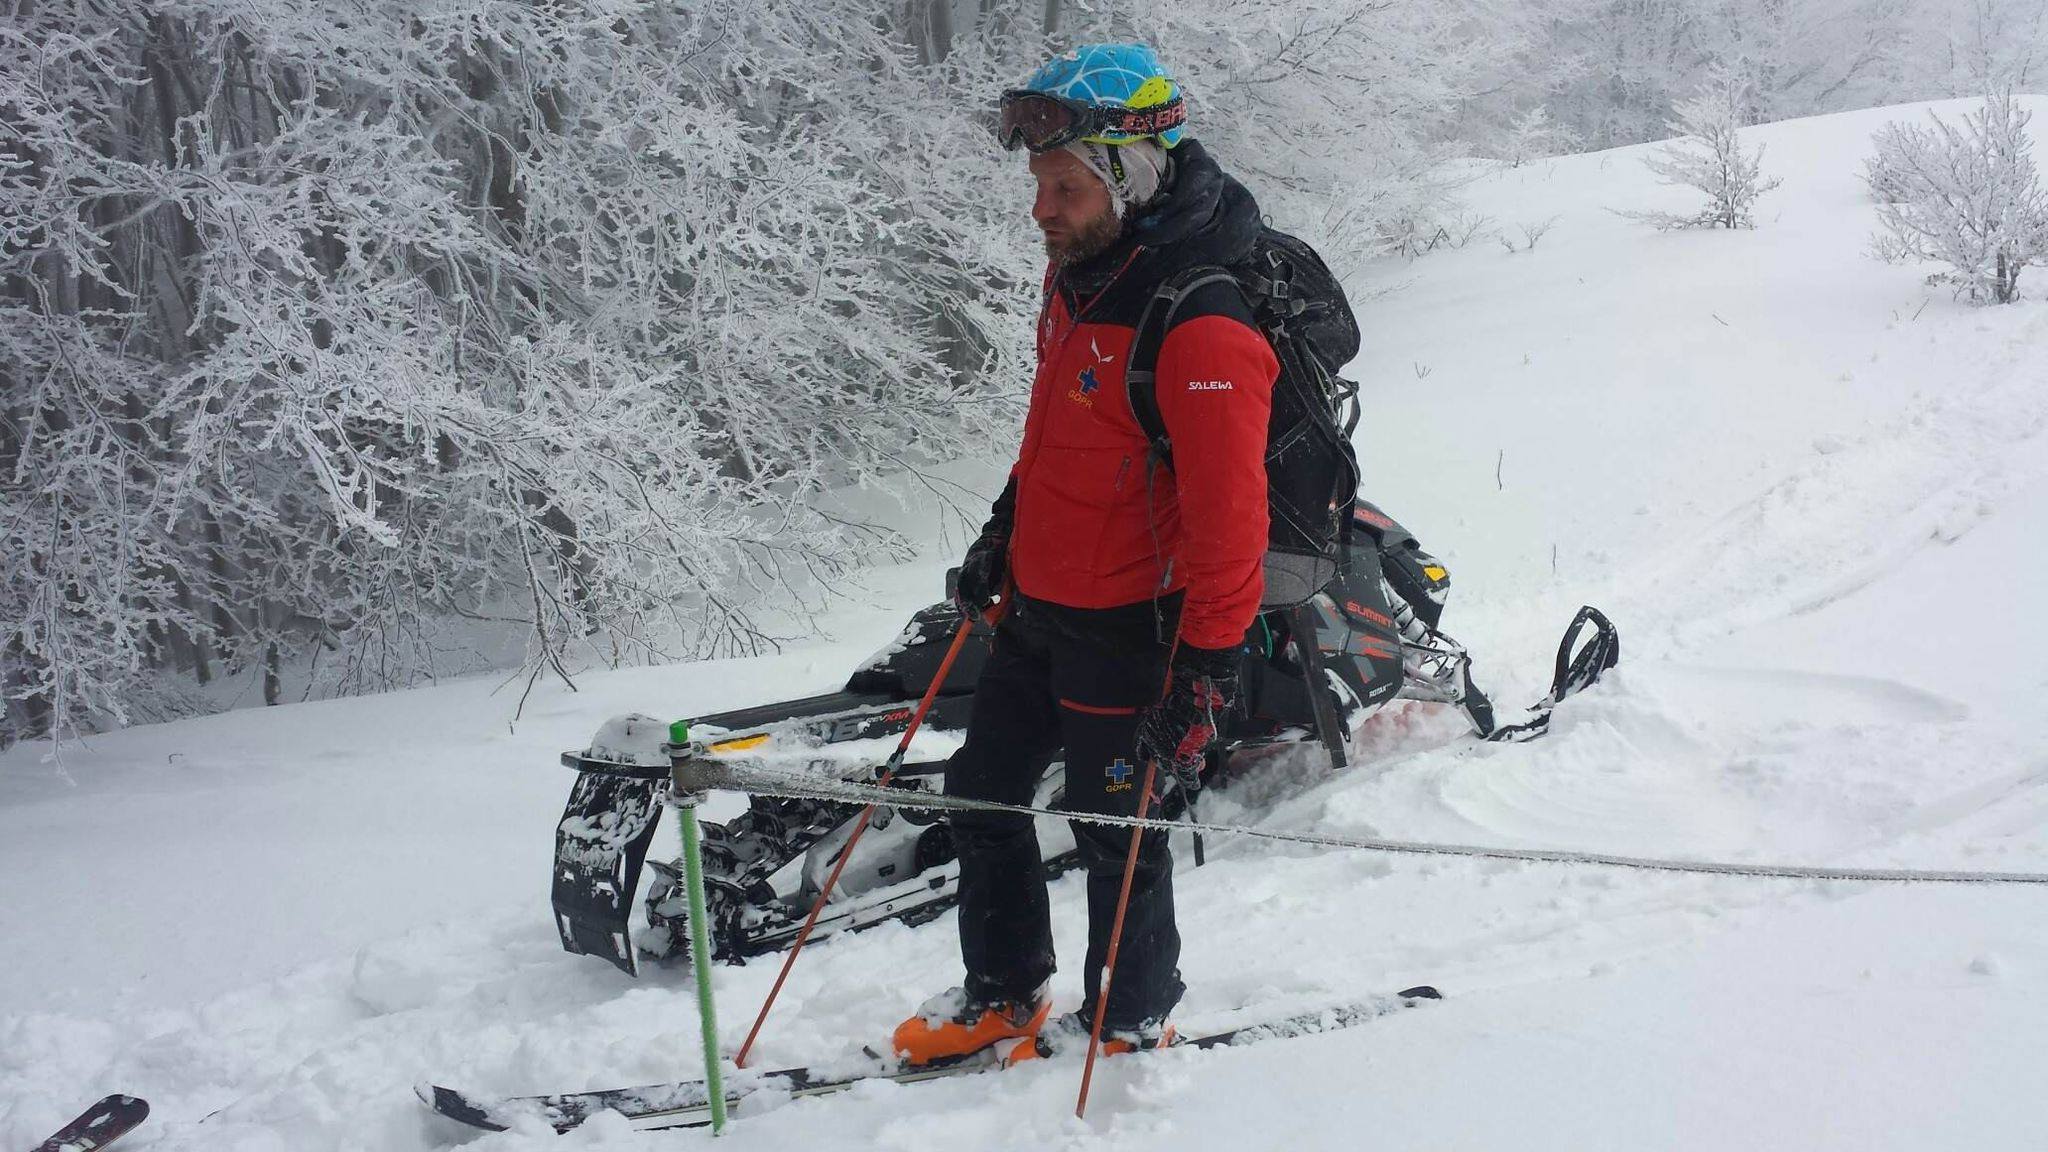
x=703 y=774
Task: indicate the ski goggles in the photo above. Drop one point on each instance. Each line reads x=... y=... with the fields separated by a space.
x=1041 y=121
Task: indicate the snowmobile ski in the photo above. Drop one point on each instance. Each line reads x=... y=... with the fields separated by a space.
x=685 y=1104
x=1576 y=671
x=98 y=1126
x=1579 y=664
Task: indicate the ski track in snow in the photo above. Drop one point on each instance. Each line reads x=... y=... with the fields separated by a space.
x=1813 y=496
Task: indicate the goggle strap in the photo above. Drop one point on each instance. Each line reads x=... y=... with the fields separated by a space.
x=1141 y=121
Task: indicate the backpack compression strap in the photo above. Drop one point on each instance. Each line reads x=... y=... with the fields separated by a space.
x=1141 y=377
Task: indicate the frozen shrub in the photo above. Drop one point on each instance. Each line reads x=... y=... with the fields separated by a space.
x=1969 y=197
x=1709 y=156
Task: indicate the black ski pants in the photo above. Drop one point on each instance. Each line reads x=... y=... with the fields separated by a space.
x=1076 y=679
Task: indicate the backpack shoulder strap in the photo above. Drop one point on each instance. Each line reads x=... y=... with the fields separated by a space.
x=1141 y=373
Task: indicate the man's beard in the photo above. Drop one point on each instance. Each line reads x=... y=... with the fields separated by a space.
x=1095 y=237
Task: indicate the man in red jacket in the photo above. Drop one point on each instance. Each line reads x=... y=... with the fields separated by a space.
x=1128 y=584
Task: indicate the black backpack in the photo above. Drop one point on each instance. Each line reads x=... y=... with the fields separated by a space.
x=1311 y=470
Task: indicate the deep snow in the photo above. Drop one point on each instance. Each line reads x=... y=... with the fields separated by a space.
x=1812 y=492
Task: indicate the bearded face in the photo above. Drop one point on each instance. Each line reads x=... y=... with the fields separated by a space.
x=1073 y=208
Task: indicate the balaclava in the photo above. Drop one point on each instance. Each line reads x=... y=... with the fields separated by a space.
x=1133 y=172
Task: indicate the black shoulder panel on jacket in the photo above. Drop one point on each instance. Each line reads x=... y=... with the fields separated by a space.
x=1215 y=299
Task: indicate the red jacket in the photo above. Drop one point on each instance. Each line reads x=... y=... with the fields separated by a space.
x=1096 y=525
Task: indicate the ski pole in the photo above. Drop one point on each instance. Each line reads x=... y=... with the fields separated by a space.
x=700 y=959
x=1116 y=936
x=860 y=825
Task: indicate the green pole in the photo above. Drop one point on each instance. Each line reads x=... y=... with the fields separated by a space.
x=700 y=960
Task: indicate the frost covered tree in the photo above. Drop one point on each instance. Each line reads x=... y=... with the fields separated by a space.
x=335 y=338
x=1969 y=197
x=1615 y=71
x=1969 y=47
x=1709 y=157
x=1339 y=115
x=1802 y=57
x=1533 y=135
x=352 y=342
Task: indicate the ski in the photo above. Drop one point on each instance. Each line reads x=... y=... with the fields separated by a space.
x=686 y=1104
x=98 y=1126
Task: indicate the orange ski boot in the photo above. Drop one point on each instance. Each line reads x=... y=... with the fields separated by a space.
x=1069 y=1033
x=949 y=1026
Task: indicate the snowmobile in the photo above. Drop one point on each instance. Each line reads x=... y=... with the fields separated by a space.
x=1376 y=638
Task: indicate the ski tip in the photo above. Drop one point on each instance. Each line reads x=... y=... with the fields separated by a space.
x=135 y=1108
x=110 y=1118
x=1420 y=992
x=454 y=1105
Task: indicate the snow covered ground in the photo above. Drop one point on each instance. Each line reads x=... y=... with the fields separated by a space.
x=1812 y=492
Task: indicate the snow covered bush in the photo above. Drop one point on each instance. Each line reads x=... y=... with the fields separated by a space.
x=1709 y=157
x=1533 y=233
x=1969 y=197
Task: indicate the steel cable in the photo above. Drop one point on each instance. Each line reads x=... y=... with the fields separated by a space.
x=704 y=775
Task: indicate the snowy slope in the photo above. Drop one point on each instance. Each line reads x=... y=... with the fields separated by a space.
x=1813 y=493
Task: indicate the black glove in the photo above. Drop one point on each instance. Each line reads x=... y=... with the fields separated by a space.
x=987 y=563
x=1178 y=730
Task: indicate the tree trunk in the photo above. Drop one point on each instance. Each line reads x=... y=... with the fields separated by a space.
x=933 y=30
x=273 y=681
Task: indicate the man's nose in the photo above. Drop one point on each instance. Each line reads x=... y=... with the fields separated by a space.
x=1043 y=209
